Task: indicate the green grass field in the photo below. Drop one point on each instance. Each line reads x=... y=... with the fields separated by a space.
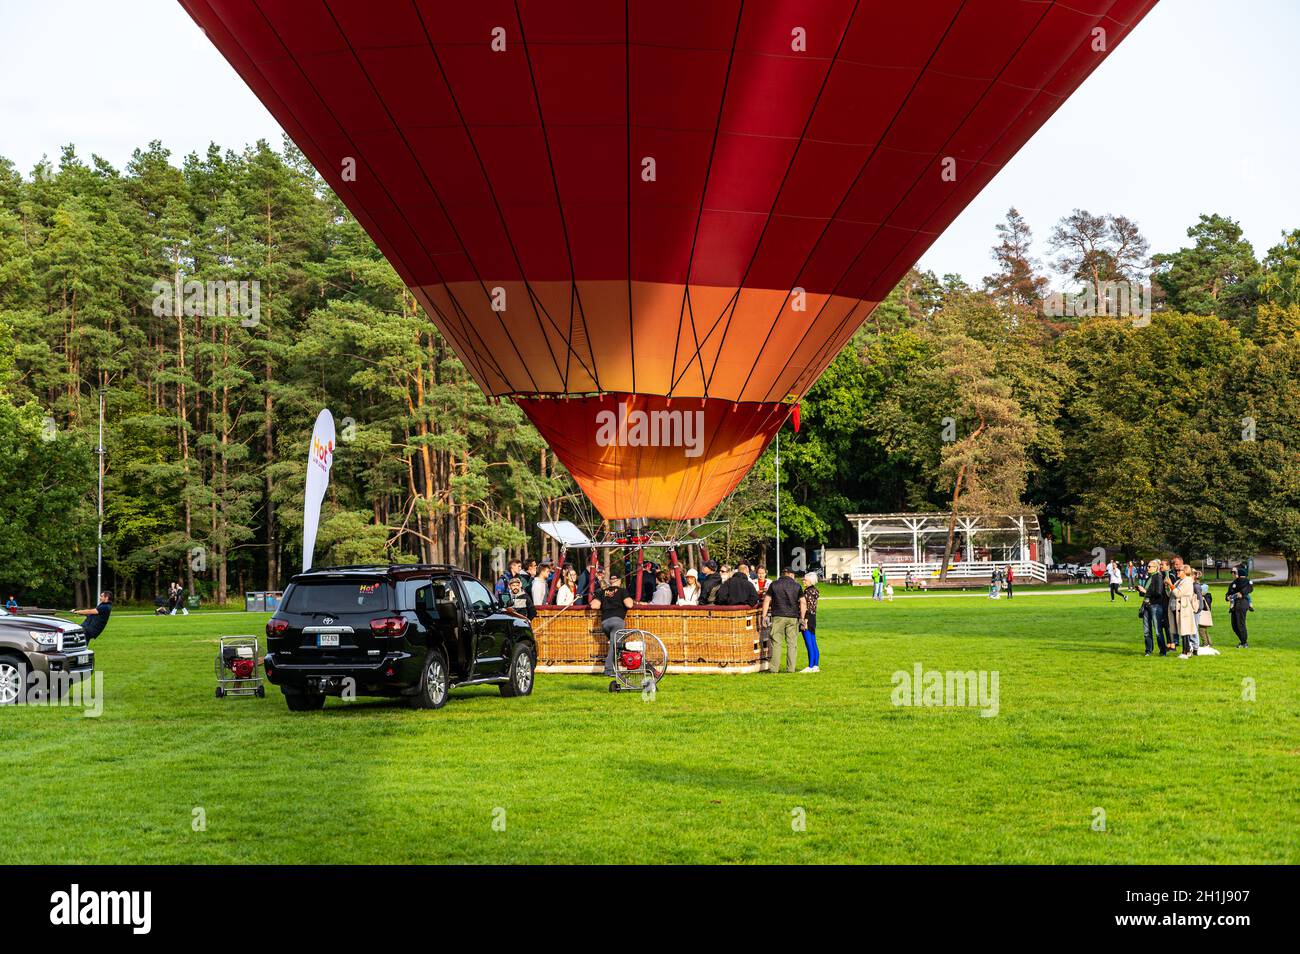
x=714 y=769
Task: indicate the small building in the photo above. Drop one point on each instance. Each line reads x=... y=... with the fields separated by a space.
x=914 y=543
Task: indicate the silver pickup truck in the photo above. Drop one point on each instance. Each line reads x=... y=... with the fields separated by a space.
x=40 y=655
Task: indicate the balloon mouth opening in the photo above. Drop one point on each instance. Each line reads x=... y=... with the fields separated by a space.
x=650 y=456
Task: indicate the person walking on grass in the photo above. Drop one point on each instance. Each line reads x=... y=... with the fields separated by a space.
x=809 y=622
x=784 y=605
x=1116 y=578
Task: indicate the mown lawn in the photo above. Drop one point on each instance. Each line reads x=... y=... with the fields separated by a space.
x=715 y=769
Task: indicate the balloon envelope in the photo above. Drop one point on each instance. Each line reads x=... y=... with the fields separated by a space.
x=665 y=205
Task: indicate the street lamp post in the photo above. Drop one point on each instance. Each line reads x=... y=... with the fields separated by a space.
x=778 y=503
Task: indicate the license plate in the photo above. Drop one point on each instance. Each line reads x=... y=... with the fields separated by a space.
x=328 y=639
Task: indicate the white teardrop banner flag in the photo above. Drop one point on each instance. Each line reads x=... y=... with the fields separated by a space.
x=319 y=461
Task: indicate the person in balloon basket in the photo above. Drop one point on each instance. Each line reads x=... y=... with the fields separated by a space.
x=540 y=584
x=784 y=606
x=513 y=569
x=710 y=580
x=738 y=590
x=612 y=601
x=691 y=588
x=585 y=585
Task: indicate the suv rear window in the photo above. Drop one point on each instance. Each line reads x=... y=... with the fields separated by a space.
x=331 y=596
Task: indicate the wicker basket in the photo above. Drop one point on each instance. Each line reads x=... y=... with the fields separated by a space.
x=723 y=639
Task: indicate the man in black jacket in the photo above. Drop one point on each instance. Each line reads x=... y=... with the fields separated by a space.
x=738 y=590
x=1155 y=609
x=1238 y=597
x=710 y=580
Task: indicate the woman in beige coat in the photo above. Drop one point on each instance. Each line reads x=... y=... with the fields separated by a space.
x=1186 y=603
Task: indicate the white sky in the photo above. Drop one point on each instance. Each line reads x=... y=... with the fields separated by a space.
x=1195 y=112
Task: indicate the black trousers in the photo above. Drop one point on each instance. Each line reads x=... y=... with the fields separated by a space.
x=1161 y=613
x=1239 y=619
x=1114 y=588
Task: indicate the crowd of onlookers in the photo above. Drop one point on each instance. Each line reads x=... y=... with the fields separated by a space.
x=788 y=608
x=1177 y=605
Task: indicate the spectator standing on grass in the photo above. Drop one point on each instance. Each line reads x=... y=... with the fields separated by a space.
x=612 y=602
x=97 y=618
x=1204 y=618
x=1238 y=597
x=1011 y=581
x=1115 y=578
x=784 y=605
x=519 y=598
x=1187 y=602
x=1152 y=613
x=877 y=583
x=1173 y=573
x=809 y=622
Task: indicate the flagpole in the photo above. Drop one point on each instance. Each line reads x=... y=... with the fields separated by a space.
x=99 y=534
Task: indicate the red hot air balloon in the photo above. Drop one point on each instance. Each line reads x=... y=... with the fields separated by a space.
x=653 y=223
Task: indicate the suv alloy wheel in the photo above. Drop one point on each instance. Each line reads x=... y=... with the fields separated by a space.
x=435 y=681
x=520 y=681
x=11 y=681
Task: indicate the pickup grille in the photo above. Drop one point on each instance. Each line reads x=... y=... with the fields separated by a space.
x=75 y=639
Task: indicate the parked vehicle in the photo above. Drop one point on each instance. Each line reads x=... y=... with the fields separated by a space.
x=40 y=654
x=413 y=631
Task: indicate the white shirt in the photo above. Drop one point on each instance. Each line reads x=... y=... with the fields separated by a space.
x=1115 y=574
x=539 y=590
x=564 y=595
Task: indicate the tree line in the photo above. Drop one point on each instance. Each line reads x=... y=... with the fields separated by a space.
x=132 y=284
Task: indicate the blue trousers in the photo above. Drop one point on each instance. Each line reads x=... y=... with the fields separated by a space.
x=810 y=643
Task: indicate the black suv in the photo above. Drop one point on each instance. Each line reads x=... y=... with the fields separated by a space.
x=403 y=630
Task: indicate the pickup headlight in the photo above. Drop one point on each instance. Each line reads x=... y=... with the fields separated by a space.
x=45 y=637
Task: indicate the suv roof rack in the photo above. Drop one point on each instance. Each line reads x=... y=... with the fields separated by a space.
x=378 y=567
